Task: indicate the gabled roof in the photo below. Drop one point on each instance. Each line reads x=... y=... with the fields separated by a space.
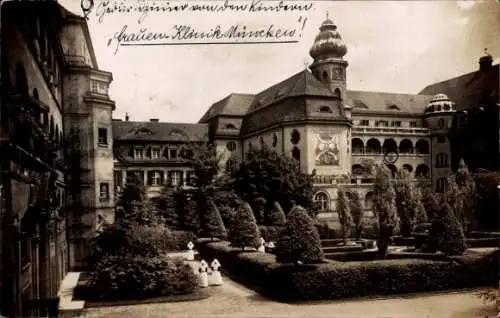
x=301 y=84
x=159 y=131
x=232 y=105
x=467 y=90
x=387 y=102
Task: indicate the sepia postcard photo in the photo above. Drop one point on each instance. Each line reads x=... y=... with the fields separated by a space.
x=249 y=159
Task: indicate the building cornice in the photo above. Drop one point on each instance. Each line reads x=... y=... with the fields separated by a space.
x=390 y=114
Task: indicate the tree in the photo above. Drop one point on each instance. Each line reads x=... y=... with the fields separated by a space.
x=344 y=212
x=133 y=191
x=357 y=213
x=276 y=216
x=446 y=234
x=384 y=207
x=408 y=202
x=244 y=231
x=299 y=241
x=212 y=225
x=461 y=195
x=165 y=203
x=205 y=162
x=274 y=177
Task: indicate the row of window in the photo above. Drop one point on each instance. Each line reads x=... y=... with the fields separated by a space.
x=155 y=153
x=386 y=123
x=158 y=177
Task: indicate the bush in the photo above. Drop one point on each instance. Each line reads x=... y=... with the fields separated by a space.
x=270 y=233
x=139 y=277
x=344 y=212
x=357 y=213
x=300 y=240
x=276 y=215
x=446 y=234
x=244 y=231
x=333 y=280
x=129 y=238
x=179 y=240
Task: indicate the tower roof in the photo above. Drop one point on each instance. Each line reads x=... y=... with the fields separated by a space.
x=328 y=42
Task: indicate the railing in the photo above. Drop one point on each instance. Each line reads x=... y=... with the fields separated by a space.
x=373 y=152
x=391 y=130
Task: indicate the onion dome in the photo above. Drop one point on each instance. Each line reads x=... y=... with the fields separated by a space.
x=328 y=42
x=440 y=103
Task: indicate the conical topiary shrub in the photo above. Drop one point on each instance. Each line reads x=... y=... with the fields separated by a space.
x=212 y=225
x=244 y=231
x=300 y=241
x=446 y=234
x=276 y=216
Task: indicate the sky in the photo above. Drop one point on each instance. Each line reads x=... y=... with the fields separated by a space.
x=393 y=46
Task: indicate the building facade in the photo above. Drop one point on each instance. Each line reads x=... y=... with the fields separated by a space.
x=336 y=133
x=155 y=152
x=47 y=68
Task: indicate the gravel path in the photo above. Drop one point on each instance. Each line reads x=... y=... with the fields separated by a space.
x=234 y=300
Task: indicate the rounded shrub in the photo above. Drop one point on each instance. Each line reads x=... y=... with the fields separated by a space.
x=446 y=234
x=244 y=231
x=299 y=241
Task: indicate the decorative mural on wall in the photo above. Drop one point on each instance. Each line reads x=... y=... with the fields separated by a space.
x=327 y=149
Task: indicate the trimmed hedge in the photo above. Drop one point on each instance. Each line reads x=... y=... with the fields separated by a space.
x=335 y=249
x=471 y=242
x=332 y=279
x=270 y=233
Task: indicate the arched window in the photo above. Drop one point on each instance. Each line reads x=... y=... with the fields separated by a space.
x=357 y=145
x=441 y=184
x=390 y=145
x=35 y=94
x=422 y=147
x=422 y=171
x=373 y=146
x=322 y=201
x=21 y=79
x=338 y=94
x=295 y=137
x=369 y=200
x=405 y=146
x=230 y=126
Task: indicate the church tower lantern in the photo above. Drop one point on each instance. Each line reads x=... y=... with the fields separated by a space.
x=328 y=51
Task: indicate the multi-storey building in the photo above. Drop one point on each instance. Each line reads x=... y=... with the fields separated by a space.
x=336 y=133
x=155 y=152
x=47 y=93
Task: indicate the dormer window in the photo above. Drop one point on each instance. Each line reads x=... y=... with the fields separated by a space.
x=144 y=131
x=155 y=153
x=393 y=107
x=325 y=109
x=230 y=126
x=139 y=153
x=172 y=154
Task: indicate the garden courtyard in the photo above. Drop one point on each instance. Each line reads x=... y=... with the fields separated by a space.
x=236 y=301
x=423 y=254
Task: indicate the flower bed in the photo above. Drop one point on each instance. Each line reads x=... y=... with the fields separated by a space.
x=332 y=279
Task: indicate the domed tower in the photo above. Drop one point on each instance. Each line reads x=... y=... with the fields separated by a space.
x=439 y=117
x=328 y=51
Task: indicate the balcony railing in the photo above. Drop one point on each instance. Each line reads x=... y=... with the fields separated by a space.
x=380 y=152
x=391 y=130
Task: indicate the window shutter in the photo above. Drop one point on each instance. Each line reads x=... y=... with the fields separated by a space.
x=181 y=178
x=131 y=152
x=148 y=152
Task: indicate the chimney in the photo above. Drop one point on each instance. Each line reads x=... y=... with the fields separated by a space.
x=126 y=117
x=486 y=61
x=154 y=120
